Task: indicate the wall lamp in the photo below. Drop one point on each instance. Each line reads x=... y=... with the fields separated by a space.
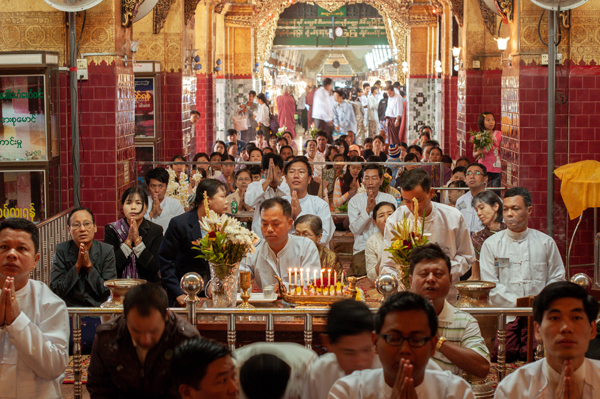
x=218 y=68
x=456 y=55
x=502 y=42
x=438 y=66
x=404 y=67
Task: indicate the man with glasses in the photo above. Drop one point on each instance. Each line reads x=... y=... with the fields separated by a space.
x=476 y=181
x=81 y=265
x=360 y=215
x=460 y=346
x=405 y=338
x=279 y=250
x=298 y=174
x=444 y=224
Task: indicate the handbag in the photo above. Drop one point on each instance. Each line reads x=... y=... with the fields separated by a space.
x=240 y=122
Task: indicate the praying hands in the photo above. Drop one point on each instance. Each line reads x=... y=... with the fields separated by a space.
x=9 y=308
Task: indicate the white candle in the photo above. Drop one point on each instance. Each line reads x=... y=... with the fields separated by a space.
x=335 y=278
x=343 y=275
x=296 y=276
x=315 y=277
x=290 y=276
x=321 y=278
x=328 y=277
x=302 y=277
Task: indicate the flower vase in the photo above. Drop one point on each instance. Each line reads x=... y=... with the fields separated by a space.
x=404 y=277
x=224 y=283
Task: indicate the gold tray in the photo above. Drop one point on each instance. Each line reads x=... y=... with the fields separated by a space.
x=317 y=300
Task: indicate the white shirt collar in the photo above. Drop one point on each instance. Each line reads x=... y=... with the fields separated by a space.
x=447 y=313
x=521 y=236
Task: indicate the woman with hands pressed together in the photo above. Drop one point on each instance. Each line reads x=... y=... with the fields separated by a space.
x=347 y=186
x=135 y=240
x=82 y=265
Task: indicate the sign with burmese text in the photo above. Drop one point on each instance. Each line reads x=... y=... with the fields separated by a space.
x=23 y=118
x=315 y=32
x=144 y=107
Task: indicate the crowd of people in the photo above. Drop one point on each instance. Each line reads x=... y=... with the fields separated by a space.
x=356 y=176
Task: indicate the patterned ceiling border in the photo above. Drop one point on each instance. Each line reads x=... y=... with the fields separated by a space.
x=159 y=15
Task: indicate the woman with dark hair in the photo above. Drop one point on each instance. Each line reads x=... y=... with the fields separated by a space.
x=488 y=206
x=220 y=146
x=242 y=179
x=332 y=172
x=347 y=185
x=342 y=146
x=176 y=256
x=248 y=109
x=272 y=143
x=262 y=114
x=135 y=240
x=378 y=149
x=178 y=165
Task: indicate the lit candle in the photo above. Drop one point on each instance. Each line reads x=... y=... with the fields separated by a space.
x=335 y=277
x=301 y=277
x=315 y=277
x=321 y=278
x=296 y=276
x=290 y=276
x=328 y=277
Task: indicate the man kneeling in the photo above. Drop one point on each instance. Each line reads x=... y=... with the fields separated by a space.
x=405 y=339
x=565 y=321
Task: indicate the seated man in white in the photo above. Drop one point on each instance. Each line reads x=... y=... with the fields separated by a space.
x=405 y=338
x=460 y=345
x=279 y=250
x=161 y=208
x=34 y=322
x=348 y=342
x=360 y=215
x=565 y=321
x=521 y=262
x=298 y=174
x=445 y=225
x=273 y=370
x=272 y=185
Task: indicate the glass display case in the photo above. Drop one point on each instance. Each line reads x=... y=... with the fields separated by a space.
x=29 y=135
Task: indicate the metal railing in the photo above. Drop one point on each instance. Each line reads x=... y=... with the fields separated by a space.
x=306 y=315
x=52 y=231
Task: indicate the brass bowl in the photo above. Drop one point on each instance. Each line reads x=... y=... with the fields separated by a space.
x=118 y=288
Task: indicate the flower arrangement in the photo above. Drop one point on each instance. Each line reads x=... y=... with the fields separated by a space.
x=313 y=131
x=385 y=183
x=281 y=131
x=483 y=140
x=407 y=234
x=178 y=190
x=226 y=243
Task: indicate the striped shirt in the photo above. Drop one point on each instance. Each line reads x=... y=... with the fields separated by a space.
x=459 y=328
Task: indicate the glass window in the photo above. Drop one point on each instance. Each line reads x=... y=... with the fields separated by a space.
x=144 y=107
x=23 y=128
x=22 y=194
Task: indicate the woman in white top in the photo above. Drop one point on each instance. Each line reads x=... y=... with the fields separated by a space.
x=374 y=247
x=262 y=114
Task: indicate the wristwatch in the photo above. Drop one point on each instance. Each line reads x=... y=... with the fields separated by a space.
x=440 y=343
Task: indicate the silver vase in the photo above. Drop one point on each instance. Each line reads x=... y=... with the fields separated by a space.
x=224 y=283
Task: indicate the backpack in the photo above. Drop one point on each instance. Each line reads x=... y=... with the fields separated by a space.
x=381 y=108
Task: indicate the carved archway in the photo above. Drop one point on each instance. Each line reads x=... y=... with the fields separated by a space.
x=394 y=12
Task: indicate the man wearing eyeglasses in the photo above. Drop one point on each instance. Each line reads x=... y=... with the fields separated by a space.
x=404 y=338
x=477 y=182
x=460 y=345
x=81 y=265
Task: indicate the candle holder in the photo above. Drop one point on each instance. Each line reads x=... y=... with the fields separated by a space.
x=245 y=284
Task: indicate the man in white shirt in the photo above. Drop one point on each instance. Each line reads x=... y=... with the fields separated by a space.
x=273 y=369
x=279 y=250
x=322 y=143
x=348 y=342
x=460 y=346
x=360 y=216
x=445 y=225
x=476 y=181
x=314 y=156
x=565 y=320
x=405 y=338
x=161 y=209
x=322 y=109
x=364 y=100
x=393 y=115
x=34 y=322
x=272 y=185
x=521 y=262
x=298 y=174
